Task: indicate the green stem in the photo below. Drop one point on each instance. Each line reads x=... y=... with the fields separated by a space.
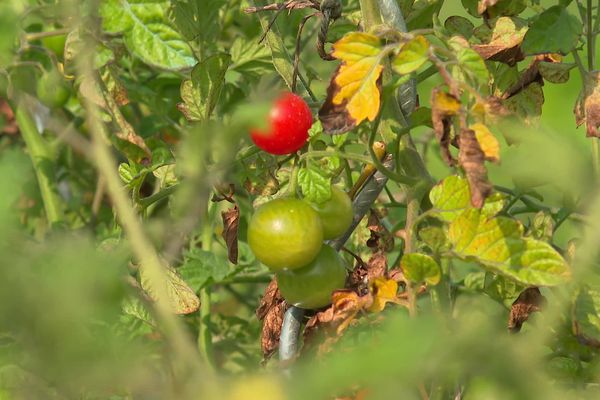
x=348 y=156
x=166 y=192
x=591 y=37
x=204 y=334
x=43 y=164
x=293 y=185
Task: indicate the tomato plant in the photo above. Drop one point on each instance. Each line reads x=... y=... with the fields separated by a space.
x=311 y=286
x=419 y=189
x=289 y=122
x=285 y=233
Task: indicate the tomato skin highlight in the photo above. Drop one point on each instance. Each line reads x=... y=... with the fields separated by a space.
x=336 y=213
x=285 y=233
x=289 y=121
x=311 y=286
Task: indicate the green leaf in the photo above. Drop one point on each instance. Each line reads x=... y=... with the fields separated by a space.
x=201 y=93
x=249 y=58
x=470 y=64
x=554 y=31
x=315 y=187
x=316 y=129
x=555 y=72
x=166 y=175
x=181 y=297
x=434 y=237
x=587 y=311
x=419 y=268
x=197 y=19
x=202 y=268
x=457 y=25
x=497 y=244
x=9 y=25
x=412 y=56
x=452 y=196
x=147 y=32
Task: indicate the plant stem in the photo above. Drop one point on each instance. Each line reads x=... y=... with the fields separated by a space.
x=591 y=37
x=204 y=333
x=293 y=185
x=325 y=153
x=43 y=164
x=166 y=192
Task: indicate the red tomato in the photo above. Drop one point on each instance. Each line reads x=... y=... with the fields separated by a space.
x=290 y=119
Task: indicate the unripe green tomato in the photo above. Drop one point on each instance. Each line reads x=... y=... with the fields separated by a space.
x=52 y=90
x=311 y=286
x=336 y=213
x=55 y=43
x=285 y=233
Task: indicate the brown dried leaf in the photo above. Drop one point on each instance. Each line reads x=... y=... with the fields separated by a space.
x=376 y=266
x=231 y=223
x=444 y=107
x=271 y=310
x=346 y=304
x=471 y=158
x=358 y=279
x=529 y=301
x=381 y=239
x=504 y=45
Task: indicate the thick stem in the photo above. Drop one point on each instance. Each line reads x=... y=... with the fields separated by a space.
x=43 y=163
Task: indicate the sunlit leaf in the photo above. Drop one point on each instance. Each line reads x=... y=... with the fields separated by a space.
x=487 y=141
x=452 y=196
x=384 y=291
x=497 y=244
x=419 y=268
x=354 y=91
x=315 y=186
x=147 y=32
x=411 y=56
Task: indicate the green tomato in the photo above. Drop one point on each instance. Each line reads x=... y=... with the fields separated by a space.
x=55 y=43
x=311 y=286
x=52 y=90
x=336 y=213
x=285 y=233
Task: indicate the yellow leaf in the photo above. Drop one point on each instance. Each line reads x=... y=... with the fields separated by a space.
x=487 y=141
x=383 y=291
x=357 y=77
x=445 y=103
x=412 y=56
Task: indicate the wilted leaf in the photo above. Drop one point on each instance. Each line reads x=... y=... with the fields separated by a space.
x=354 y=93
x=231 y=223
x=315 y=187
x=487 y=142
x=542 y=226
x=434 y=237
x=527 y=104
x=471 y=158
x=201 y=93
x=383 y=291
x=504 y=45
x=555 y=72
x=444 y=106
x=381 y=239
x=271 y=309
x=147 y=32
x=497 y=244
x=554 y=31
x=528 y=302
x=452 y=196
x=483 y=5
x=420 y=268
x=180 y=296
x=411 y=56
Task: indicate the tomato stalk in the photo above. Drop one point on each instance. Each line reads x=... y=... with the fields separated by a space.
x=204 y=334
x=43 y=164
